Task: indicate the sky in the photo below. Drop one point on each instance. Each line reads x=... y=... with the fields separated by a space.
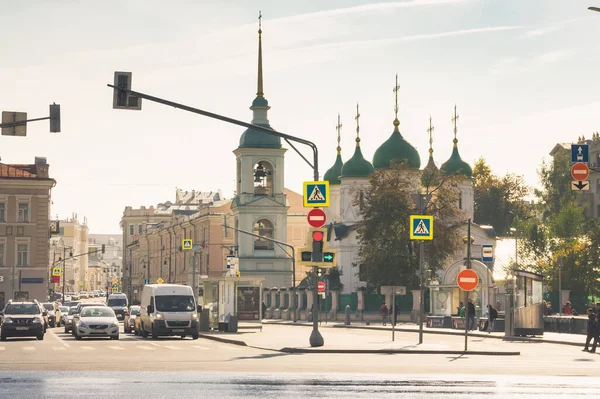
x=523 y=74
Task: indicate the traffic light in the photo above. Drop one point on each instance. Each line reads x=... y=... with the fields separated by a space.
x=121 y=98
x=317 y=246
x=329 y=257
x=54 y=118
x=321 y=272
x=103 y=248
x=306 y=256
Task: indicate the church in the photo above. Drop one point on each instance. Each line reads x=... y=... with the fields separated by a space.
x=260 y=204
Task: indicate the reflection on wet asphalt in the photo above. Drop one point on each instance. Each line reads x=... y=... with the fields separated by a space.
x=132 y=385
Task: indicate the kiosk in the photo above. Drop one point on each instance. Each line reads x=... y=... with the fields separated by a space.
x=524 y=304
x=227 y=300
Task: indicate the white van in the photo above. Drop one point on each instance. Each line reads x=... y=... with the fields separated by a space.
x=118 y=303
x=169 y=309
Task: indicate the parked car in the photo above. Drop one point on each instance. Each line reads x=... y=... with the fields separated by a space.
x=97 y=321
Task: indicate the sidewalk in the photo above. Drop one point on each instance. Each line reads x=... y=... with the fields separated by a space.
x=548 y=337
x=282 y=337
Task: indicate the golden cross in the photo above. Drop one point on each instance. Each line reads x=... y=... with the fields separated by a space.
x=454 y=119
x=396 y=89
x=430 y=131
x=338 y=127
x=357 y=117
x=259 y=20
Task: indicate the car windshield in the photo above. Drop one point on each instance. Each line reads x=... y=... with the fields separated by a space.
x=63 y=309
x=72 y=311
x=97 y=312
x=117 y=302
x=174 y=303
x=135 y=311
x=48 y=306
x=25 y=308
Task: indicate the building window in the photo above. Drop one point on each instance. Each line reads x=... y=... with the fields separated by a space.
x=23 y=215
x=61 y=231
x=263 y=178
x=131 y=229
x=460 y=200
x=2 y=212
x=263 y=228
x=2 y=250
x=140 y=229
x=22 y=252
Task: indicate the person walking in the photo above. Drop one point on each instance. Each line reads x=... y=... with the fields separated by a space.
x=492 y=316
x=471 y=314
x=384 y=311
x=592 y=332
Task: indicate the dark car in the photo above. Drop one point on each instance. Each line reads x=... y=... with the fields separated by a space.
x=23 y=319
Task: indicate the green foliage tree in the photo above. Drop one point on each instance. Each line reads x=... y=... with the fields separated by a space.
x=498 y=200
x=387 y=255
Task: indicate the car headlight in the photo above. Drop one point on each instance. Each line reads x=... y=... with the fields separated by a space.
x=158 y=316
x=8 y=320
x=194 y=315
x=115 y=325
x=70 y=321
x=37 y=320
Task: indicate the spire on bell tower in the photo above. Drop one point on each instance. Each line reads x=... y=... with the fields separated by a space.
x=259 y=89
x=454 y=120
x=357 y=118
x=338 y=127
x=396 y=90
x=430 y=132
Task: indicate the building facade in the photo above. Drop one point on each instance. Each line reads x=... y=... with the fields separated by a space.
x=24 y=230
x=72 y=239
x=108 y=266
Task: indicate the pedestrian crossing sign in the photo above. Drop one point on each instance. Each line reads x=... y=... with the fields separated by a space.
x=186 y=244
x=421 y=227
x=316 y=194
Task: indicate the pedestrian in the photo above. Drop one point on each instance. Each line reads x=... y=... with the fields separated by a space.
x=492 y=316
x=597 y=310
x=384 y=311
x=568 y=310
x=471 y=314
x=592 y=331
x=461 y=310
x=264 y=309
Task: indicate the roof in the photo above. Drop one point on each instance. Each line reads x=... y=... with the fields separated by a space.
x=357 y=166
x=455 y=165
x=333 y=174
x=396 y=150
x=18 y=171
x=256 y=139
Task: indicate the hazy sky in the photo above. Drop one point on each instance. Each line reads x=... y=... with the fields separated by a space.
x=524 y=75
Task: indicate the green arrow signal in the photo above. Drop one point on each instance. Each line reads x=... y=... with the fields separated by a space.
x=328 y=256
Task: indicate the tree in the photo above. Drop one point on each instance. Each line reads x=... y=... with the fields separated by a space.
x=498 y=200
x=387 y=255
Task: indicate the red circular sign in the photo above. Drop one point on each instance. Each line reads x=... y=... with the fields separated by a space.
x=580 y=171
x=321 y=286
x=316 y=218
x=467 y=280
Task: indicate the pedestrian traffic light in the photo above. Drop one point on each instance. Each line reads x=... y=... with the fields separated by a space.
x=103 y=248
x=54 y=118
x=306 y=256
x=317 y=246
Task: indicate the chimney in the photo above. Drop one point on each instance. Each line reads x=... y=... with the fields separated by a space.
x=41 y=167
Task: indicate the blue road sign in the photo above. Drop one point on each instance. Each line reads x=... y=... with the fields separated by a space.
x=487 y=253
x=316 y=193
x=580 y=153
x=421 y=227
x=146 y=281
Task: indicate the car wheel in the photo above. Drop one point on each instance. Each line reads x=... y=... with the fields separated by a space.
x=78 y=338
x=182 y=336
x=40 y=337
x=2 y=337
x=115 y=337
x=144 y=332
x=154 y=334
x=53 y=324
x=66 y=330
x=195 y=336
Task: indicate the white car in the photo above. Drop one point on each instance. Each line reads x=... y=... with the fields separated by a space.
x=97 y=321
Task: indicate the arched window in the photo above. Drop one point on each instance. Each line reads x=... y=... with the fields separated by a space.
x=263 y=178
x=263 y=228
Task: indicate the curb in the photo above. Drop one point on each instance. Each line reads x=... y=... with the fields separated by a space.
x=399 y=351
x=224 y=340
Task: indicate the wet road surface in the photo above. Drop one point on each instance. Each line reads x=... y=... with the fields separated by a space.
x=81 y=384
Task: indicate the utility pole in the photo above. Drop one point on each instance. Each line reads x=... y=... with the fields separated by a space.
x=467 y=292
x=421 y=201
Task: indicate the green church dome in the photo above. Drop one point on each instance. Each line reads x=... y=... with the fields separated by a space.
x=431 y=173
x=334 y=173
x=455 y=165
x=396 y=149
x=357 y=166
x=256 y=139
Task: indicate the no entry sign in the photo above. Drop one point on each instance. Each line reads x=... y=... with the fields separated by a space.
x=316 y=218
x=321 y=286
x=467 y=280
x=580 y=171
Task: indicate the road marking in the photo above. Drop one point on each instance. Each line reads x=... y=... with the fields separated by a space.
x=87 y=348
x=145 y=347
x=66 y=345
x=1 y=348
x=59 y=348
x=28 y=348
x=200 y=347
x=152 y=343
x=172 y=347
x=120 y=348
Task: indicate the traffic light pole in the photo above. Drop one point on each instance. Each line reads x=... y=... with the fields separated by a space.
x=421 y=201
x=316 y=339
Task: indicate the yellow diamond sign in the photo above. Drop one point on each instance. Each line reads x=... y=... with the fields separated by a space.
x=115 y=280
x=160 y=280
